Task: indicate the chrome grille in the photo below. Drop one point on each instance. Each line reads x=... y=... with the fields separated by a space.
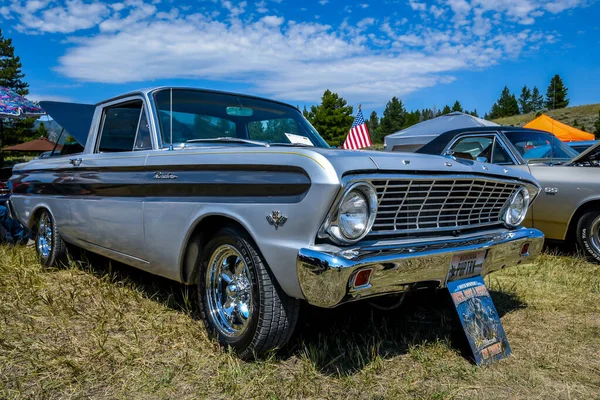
x=415 y=205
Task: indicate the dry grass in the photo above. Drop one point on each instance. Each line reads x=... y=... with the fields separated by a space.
x=96 y=330
x=584 y=115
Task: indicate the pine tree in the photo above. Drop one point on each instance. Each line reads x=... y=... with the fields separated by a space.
x=446 y=110
x=373 y=123
x=41 y=130
x=412 y=118
x=556 y=94
x=537 y=101
x=457 y=106
x=506 y=105
x=11 y=77
x=393 y=119
x=474 y=113
x=525 y=100
x=332 y=118
x=597 y=126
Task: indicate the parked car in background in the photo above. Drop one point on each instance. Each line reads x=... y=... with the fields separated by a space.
x=240 y=197
x=582 y=146
x=568 y=208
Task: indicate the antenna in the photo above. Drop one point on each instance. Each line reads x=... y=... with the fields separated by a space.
x=171 y=120
x=359 y=106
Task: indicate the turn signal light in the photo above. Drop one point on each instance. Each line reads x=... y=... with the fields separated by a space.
x=362 y=277
x=525 y=250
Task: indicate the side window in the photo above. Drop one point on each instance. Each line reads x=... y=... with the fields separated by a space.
x=119 y=127
x=500 y=155
x=471 y=147
x=142 y=139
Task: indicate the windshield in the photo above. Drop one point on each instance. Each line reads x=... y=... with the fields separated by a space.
x=540 y=146
x=199 y=115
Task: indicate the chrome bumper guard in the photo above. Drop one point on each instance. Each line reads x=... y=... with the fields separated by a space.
x=326 y=277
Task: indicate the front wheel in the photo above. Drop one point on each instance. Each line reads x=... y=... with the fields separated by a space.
x=588 y=234
x=241 y=303
x=49 y=244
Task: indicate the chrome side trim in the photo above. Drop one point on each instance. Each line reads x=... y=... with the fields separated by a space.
x=325 y=272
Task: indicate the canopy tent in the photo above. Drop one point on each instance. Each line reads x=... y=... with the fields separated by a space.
x=34 y=146
x=562 y=131
x=417 y=136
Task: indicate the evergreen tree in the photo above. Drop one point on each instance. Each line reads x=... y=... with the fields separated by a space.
x=556 y=94
x=392 y=121
x=474 y=113
x=11 y=77
x=306 y=113
x=597 y=126
x=332 y=118
x=446 y=110
x=412 y=118
x=41 y=130
x=373 y=123
x=525 y=100
x=457 y=106
x=427 y=113
x=506 y=105
x=537 y=101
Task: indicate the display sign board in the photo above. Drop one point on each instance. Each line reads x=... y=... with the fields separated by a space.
x=479 y=320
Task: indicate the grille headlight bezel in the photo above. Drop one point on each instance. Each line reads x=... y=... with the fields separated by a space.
x=514 y=216
x=334 y=226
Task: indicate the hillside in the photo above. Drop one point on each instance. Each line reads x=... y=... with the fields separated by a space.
x=585 y=115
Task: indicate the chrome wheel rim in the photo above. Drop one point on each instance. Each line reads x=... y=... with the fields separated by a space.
x=44 y=236
x=229 y=291
x=594 y=235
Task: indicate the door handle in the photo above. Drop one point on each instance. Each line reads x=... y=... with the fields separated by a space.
x=75 y=161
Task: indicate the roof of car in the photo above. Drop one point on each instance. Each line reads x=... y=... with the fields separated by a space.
x=150 y=91
x=437 y=145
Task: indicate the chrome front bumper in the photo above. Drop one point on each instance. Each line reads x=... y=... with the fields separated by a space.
x=326 y=276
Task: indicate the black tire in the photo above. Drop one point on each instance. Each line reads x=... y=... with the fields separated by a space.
x=54 y=253
x=273 y=314
x=588 y=235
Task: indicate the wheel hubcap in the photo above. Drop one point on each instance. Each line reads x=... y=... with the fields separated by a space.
x=44 y=236
x=229 y=291
x=594 y=234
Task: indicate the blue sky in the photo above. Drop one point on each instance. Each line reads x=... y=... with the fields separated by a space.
x=427 y=53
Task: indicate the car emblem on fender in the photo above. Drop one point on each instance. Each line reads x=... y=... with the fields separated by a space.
x=276 y=219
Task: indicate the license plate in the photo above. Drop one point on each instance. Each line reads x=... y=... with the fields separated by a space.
x=466 y=264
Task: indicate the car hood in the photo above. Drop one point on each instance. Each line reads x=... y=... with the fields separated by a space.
x=347 y=162
x=592 y=152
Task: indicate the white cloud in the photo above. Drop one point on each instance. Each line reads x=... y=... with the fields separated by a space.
x=323 y=2
x=48 y=97
x=363 y=5
x=73 y=16
x=363 y=59
x=261 y=7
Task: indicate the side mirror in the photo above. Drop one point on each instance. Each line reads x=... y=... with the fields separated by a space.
x=482 y=159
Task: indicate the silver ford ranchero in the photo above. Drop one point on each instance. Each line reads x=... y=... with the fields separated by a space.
x=242 y=198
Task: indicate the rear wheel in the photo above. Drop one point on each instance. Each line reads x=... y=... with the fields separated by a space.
x=242 y=305
x=588 y=235
x=48 y=243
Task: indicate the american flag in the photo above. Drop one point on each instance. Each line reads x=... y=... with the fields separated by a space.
x=358 y=137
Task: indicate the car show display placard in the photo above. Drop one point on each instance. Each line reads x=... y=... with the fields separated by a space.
x=479 y=320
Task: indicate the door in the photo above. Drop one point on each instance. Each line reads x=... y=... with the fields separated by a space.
x=109 y=210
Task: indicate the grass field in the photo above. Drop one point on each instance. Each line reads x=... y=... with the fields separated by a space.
x=583 y=115
x=97 y=330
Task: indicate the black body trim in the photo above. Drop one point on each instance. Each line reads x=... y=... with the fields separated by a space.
x=244 y=183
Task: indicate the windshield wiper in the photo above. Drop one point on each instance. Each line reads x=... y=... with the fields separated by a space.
x=227 y=139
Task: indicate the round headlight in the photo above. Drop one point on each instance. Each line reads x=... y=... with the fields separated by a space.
x=517 y=208
x=356 y=213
